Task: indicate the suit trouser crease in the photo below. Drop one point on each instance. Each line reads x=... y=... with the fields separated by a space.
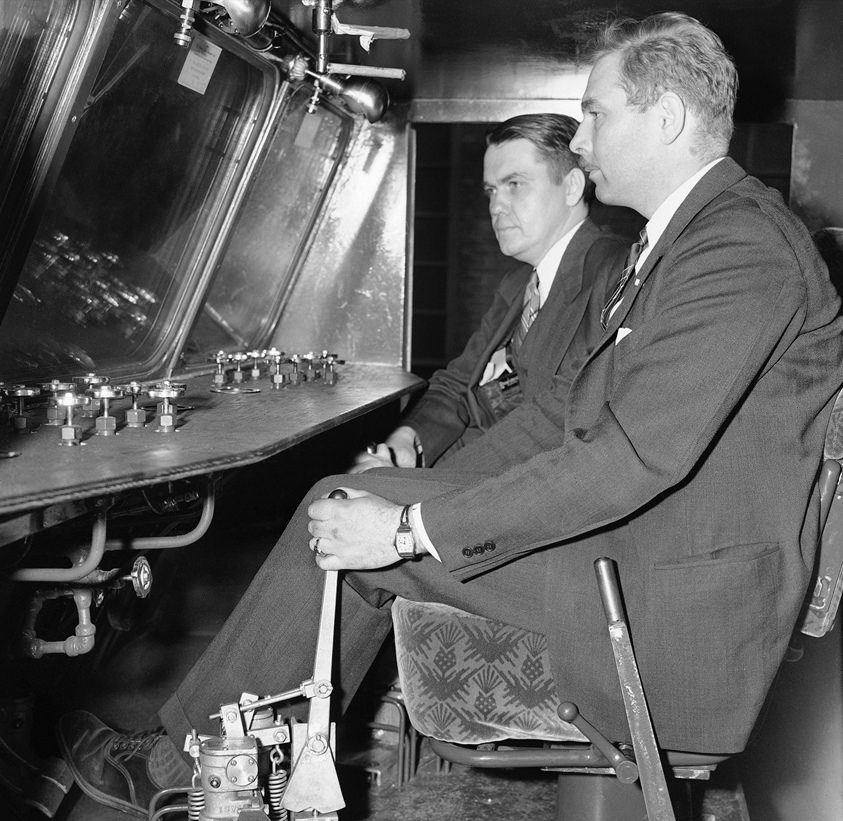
x=267 y=645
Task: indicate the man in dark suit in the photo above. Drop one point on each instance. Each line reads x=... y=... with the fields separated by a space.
x=538 y=203
x=687 y=448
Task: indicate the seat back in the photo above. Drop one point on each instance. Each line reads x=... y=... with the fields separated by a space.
x=822 y=608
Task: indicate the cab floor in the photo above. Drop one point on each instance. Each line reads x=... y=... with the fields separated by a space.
x=134 y=671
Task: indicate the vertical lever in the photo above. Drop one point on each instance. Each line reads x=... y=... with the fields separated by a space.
x=319 y=716
x=313 y=785
x=653 y=783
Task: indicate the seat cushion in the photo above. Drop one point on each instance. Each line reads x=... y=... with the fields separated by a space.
x=471 y=680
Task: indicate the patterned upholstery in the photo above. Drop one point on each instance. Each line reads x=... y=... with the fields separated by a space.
x=471 y=680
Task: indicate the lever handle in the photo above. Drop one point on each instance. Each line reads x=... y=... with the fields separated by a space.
x=625 y=769
x=610 y=591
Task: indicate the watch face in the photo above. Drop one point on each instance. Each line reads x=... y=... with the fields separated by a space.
x=405 y=544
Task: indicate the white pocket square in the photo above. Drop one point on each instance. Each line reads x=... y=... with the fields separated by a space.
x=622 y=332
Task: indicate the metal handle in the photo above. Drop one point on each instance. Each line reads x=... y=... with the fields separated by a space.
x=610 y=590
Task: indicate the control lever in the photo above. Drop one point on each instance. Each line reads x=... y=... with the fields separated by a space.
x=625 y=769
x=313 y=770
x=653 y=783
x=312 y=790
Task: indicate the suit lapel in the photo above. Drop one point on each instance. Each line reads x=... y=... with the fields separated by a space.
x=545 y=348
x=725 y=174
x=504 y=331
x=497 y=340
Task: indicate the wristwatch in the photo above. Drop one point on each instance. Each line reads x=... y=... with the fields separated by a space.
x=405 y=542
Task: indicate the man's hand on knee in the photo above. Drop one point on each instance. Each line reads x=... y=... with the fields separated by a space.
x=401 y=449
x=357 y=533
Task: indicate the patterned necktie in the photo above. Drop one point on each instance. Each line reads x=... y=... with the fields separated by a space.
x=634 y=252
x=529 y=311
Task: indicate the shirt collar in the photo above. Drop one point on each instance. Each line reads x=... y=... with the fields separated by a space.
x=550 y=262
x=664 y=213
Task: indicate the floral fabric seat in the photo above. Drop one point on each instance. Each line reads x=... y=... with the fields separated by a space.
x=471 y=680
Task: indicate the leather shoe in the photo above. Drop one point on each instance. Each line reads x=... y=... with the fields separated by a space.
x=119 y=770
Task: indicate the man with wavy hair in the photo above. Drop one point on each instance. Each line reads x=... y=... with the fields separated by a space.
x=539 y=203
x=687 y=449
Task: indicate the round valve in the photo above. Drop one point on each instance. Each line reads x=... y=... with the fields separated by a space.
x=238 y=359
x=88 y=382
x=256 y=356
x=55 y=415
x=70 y=434
x=108 y=392
x=296 y=376
x=91 y=379
x=309 y=367
x=69 y=399
x=106 y=424
x=21 y=391
x=135 y=416
x=165 y=391
x=22 y=423
x=55 y=386
x=237 y=378
x=275 y=373
x=329 y=361
x=220 y=358
x=140 y=577
x=134 y=389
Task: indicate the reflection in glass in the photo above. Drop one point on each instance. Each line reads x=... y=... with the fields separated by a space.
x=112 y=264
x=32 y=34
x=272 y=229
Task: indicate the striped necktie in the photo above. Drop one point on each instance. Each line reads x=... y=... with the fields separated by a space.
x=634 y=253
x=529 y=310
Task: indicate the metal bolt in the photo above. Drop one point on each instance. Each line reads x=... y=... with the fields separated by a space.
x=318 y=744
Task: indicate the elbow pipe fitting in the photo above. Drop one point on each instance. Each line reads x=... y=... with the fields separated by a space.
x=86 y=564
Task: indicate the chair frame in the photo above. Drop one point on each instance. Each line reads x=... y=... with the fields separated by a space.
x=604 y=799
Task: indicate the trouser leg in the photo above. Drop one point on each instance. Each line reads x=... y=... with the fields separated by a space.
x=267 y=644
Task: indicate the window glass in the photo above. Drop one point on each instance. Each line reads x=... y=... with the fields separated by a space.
x=156 y=152
x=272 y=228
x=32 y=36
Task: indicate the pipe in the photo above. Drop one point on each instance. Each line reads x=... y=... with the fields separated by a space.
x=86 y=562
x=80 y=643
x=85 y=566
x=166 y=542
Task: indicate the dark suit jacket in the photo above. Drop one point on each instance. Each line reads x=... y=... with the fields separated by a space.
x=564 y=333
x=687 y=449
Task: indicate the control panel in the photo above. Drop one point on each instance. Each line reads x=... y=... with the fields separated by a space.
x=86 y=435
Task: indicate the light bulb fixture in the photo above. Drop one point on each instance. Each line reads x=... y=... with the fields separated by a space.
x=241 y=17
x=360 y=95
